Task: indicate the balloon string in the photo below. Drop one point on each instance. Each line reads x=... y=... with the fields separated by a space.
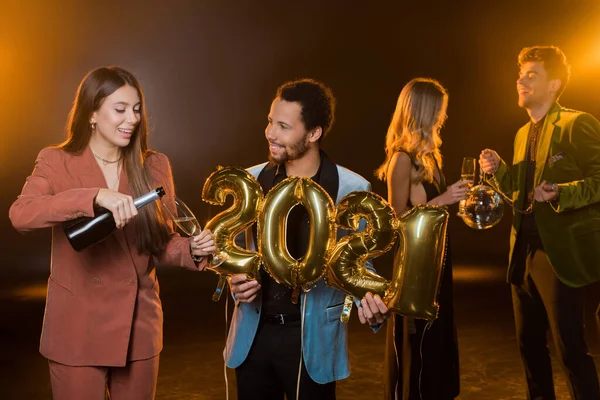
x=421 y=355
x=226 y=353
x=301 y=347
x=399 y=372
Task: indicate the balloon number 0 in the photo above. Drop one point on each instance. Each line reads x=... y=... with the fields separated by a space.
x=272 y=224
x=420 y=235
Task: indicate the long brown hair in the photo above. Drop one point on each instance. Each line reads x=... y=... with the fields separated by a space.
x=152 y=231
x=415 y=128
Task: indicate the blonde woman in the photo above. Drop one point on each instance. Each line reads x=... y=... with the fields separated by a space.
x=422 y=363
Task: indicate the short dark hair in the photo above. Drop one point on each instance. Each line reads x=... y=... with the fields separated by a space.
x=316 y=100
x=553 y=60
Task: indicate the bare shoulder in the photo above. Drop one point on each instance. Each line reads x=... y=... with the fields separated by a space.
x=400 y=162
x=401 y=158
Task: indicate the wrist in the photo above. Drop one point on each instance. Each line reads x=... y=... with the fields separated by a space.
x=445 y=199
x=98 y=193
x=197 y=259
x=556 y=192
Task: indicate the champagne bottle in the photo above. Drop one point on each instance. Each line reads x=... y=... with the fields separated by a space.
x=86 y=231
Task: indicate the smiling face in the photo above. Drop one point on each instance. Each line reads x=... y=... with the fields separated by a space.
x=117 y=117
x=534 y=86
x=286 y=133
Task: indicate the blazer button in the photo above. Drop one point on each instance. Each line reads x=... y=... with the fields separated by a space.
x=96 y=280
x=131 y=282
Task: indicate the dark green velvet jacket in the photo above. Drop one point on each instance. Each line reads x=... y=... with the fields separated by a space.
x=568 y=154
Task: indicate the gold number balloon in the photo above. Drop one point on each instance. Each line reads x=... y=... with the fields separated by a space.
x=418 y=262
x=225 y=226
x=272 y=223
x=347 y=261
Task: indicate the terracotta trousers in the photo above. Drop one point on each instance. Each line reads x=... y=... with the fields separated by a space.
x=135 y=381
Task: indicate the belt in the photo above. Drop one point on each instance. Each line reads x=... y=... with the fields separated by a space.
x=280 y=319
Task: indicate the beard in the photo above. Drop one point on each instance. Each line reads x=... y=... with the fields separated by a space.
x=293 y=152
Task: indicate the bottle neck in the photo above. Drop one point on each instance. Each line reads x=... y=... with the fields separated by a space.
x=148 y=197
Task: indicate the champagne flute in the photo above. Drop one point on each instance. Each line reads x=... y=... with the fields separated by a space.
x=188 y=224
x=467 y=173
x=184 y=219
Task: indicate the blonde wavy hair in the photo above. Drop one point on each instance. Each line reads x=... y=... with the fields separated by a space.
x=419 y=115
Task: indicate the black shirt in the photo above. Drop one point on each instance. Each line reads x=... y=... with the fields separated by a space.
x=529 y=229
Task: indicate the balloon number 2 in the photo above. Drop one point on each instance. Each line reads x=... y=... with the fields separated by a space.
x=225 y=226
x=420 y=235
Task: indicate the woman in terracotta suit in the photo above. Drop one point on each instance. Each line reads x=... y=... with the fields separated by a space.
x=102 y=327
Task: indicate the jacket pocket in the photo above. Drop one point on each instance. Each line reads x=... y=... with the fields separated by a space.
x=334 y=312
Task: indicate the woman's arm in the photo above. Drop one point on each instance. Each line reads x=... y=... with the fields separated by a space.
x=454 y=193
x=398 y=182
x=178 y=248
x=38 y=206
x=399 y=185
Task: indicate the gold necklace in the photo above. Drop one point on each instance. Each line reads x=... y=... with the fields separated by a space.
x=105 y=161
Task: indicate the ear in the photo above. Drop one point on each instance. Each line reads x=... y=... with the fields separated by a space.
x=555 y=85
x=315 y=134
x=94 y=117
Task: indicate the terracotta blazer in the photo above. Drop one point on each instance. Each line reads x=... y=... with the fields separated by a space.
x=102 y=306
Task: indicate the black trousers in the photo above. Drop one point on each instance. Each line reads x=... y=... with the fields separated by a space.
x=543 y=302
x=273 y=364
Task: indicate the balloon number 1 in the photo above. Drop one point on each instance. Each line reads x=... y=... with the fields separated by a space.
x=418 y=261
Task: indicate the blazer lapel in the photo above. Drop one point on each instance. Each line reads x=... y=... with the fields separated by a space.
x=544 y=143
x=128 y=232
x=95 y=178
x=521 y=144
x=90 y=173
x=519 y=161
x=329 y=178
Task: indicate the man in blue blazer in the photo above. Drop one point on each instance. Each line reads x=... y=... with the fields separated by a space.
x=269 y=333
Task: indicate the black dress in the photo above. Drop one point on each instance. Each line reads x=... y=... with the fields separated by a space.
x=422 y=363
